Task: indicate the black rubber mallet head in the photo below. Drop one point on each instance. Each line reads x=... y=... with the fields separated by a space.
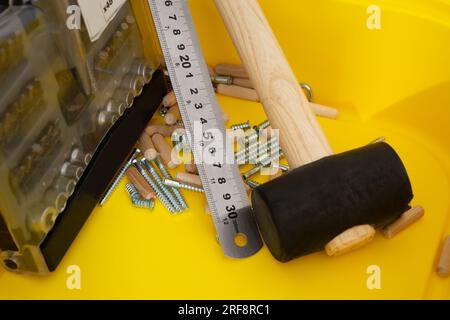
x=340 y=198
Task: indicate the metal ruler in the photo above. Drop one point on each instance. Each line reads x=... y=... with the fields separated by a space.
x=202 y=117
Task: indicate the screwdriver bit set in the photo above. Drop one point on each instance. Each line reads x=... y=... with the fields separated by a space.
x=71 y=109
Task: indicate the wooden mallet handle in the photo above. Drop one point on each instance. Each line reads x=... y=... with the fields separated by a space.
x=285 y=104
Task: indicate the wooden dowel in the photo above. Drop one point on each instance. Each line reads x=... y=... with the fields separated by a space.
x=164 y=150
x=350 y=240
x=238 y=92
x=324 y=111
x=242 y=82
x=144 y=189
x=407 y=219
x=169 y=100
x=252 y=95
x=443 y=267
x=173 y=115
x=146 y=144
x=233 y=70
x=189 y=178
x=164 y=130
x=190 y=168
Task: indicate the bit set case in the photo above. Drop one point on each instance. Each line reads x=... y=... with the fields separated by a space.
x=66 y=102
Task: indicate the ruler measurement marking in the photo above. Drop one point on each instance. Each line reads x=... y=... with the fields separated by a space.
x=228 y=200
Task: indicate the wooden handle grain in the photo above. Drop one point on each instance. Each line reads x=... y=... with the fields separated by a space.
x=286 y=106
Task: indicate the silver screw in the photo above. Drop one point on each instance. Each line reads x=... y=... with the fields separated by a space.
x=241 y=126
x=264 y=162
x=253 y=184
x=145 y=204
x=136 y=200
x=222 y=80
x=161 y=185
x=252 y=138
x=256 y=150
x=282 y=167
x=166 y=174
x=119 y=177
x=155 y=187
x=179 y=185
x=132 y=191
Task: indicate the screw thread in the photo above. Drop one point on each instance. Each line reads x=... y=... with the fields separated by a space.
x=161 y=185
x=146 y=204
x=179 y=185
x=166 y=174
x=155 y=187
x=132 y=191
x=119 y=177
x=241 y=126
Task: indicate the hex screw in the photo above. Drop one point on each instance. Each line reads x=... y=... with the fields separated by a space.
x=241 y=126
x=119 y=176
x=132 y=191
x=155 y=187
x=180 y=185
x=166 y=174
x=161 y=185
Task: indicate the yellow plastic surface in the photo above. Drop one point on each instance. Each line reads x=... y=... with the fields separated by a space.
x=393 y=82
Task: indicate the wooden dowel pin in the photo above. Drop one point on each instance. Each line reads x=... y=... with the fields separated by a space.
x=407 y=219
x=144 y=189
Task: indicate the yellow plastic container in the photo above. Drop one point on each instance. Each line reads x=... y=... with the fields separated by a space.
x=392 y=82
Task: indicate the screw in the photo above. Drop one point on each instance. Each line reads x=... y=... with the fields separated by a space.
x=227 y=80
x=282 y=167
x=164 y=189
x=308 y=90
x=145 y=204
x=166 y=174
x=241 y=126
x=119 y=177
x=264 y=162
x=252 y=152
x=254 y=136
x=136 y=200
x=155 y=187
x=179 y=185
x=132 y=191
x=253 y=184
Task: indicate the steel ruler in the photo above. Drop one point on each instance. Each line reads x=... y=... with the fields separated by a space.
x=227 y=198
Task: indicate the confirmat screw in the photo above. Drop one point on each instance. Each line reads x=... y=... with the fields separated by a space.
x=241 y=126
x=166 y=174
x=164 y=189
x=180 y=185
x=119 y=177
x=155 y=187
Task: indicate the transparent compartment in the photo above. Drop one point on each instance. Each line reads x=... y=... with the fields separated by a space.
x=60 y=94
